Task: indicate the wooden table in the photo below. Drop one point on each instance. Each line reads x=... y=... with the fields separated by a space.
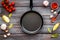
x=21 y=7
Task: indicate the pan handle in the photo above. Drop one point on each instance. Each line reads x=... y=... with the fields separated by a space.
x=31 y=4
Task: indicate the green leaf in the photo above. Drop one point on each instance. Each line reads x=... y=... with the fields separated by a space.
x=10 y=15
x=49 y=30
x=54 y=35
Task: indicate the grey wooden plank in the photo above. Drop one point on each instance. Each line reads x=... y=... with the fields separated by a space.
x=30 y=37
x=27 y=37
x=14 y=20
x=45 y=12
x=26 y=2
x=18 y=29
x=42 y=10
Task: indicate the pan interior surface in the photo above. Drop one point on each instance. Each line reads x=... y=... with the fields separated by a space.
x=31 y=21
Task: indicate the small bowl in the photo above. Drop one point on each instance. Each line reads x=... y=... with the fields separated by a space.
x=54 y=5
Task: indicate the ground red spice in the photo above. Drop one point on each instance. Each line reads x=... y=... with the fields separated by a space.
x=54 y=5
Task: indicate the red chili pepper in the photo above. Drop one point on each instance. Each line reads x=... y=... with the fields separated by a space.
x=53 y=19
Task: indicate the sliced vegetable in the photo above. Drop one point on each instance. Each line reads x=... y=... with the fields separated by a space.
x=10 y=15
x=10 y=26
x=54 y=35
x=56 y=26
x=5 y=18
x=49 y=30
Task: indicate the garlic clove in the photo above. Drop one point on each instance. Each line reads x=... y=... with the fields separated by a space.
x=5 y=36
x=3 y=26
x=51 y=16
x=8 y=34
x=52 y=11
x=45 y=3
x=55 y=12
x=6 y=30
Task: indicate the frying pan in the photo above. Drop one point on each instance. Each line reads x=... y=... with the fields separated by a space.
x=31 y=21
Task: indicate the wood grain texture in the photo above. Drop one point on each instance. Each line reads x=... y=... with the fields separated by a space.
x=29 y=37
x=21 y=7
x=36 y=2
x=45 y=12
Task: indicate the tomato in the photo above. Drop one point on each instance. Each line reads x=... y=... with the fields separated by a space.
x=10 y=10
x=13 y=9
x=7 y=1
x=2 y=3
x=12 y=3
x=6 y=7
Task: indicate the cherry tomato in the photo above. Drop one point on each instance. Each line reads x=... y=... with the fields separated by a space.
x=10 y=10
x=2 y=3
x=12 y=3
x=13 y=9
x=6 y=7
x=7 y=1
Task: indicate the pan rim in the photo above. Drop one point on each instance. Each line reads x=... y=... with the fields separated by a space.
x=31 y=12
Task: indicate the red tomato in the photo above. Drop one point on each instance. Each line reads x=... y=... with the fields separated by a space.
x=2 y=3
x=6 y=7
x=10 y=10
x=13 y=9
x=7 y=1
x=12 y=3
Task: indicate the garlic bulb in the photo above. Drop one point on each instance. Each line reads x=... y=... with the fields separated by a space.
x=3 y=26
x=45 y=3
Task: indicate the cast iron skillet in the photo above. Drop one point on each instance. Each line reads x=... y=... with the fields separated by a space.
x=31 y=21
